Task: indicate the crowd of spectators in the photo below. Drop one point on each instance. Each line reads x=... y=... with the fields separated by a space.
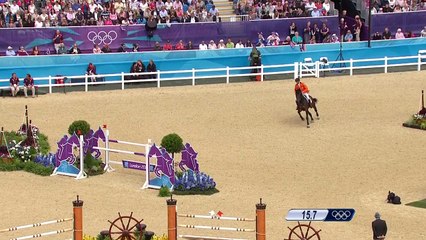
x=27 y=13
x=284 y=9
x=388 y=6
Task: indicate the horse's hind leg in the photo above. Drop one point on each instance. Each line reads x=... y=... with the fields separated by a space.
x=316 y=111
x=307 y=118
x=310 y=114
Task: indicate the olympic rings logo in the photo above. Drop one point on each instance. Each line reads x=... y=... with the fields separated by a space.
x=341 y=215
x=102 y=37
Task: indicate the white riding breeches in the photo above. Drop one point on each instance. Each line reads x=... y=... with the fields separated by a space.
x=306 y=95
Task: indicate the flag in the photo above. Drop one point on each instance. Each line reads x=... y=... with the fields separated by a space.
x=104 y=126
x=220 y=214
x=212 y=213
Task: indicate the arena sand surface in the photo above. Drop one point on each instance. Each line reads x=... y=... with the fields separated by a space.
x=250 y=139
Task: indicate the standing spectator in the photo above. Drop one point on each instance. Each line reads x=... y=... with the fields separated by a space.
x=91 y=71
x=14 y=85
x=325 y=31
x=399 y=34
x=292 y=29
x=151 y=68
x=29 y=85
x=10 y=52
x=423 y=32
x=357 y=28
x=230 y=44
x=22 y=52
x=202 y=46
x=57 y=40
x=387 y=34
x=379 y=228
x=315 y=33
x=307 y=33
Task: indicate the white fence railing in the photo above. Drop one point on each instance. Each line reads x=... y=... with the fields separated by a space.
x=297 y=69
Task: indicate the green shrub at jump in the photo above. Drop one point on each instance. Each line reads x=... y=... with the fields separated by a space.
x=173 y=143
x=79 y=127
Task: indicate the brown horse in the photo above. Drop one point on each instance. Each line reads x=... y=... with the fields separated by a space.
x=304 y=105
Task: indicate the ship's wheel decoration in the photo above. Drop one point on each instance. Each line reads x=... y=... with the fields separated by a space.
x=124 y=228
x=303 y=232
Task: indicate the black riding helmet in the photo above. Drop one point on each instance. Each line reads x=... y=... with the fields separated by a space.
x=297 y=80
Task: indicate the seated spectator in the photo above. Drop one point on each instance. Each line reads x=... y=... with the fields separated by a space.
x=62 y=49
x=106 y=49
x=122 y=48
x=273 y=39
x=221 y=44
x=313 y=40
x=212 y=45
x=35 y=51
x=91 y=71
x=334 y=38
x=287 y=41
x=190 y=46
x=157 y=47
x=248 y=44
x=423 y=32
x=167 y=46
x=135 y=47
x=230 y=44
x=151 y=68
x=203 y=46
x=74 y=49
x=260 y=40
x=387 y=34
x=22 y=52
x=29 y=85
x=10 y=52
x=399 y=34
x=214 y=13
x=139 y=68
x=307 y=32
x=239 y=44
x=316 y=12
x=377 y=36
x=297 y=39
x=326 y=7
x=180 y=46
x=96 y=49
x=14 y=85
x=348 y=36
x=409 y=34
x=292 y=29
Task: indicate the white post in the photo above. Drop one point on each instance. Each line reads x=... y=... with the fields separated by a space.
x=386 y=64
x=81 y=174
x=419 y=63
x=296 y=70
x=300 y=69
x=158 y=78
x=122 y=80
x=317 y=69
x=261 y=73
x=147 y=164
x=50 y=84
x=227 y=75
x=108 y=167
x=86 y=87
x=193 y=77
x=351 y=65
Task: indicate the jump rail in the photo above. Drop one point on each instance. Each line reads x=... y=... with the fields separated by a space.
x=173 y=225
x=77 y=225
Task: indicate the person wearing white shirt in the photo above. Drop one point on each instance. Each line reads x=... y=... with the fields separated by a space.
x=38 y=23
x=31 y=7
x=14 y=8
x=203 y=46
x=212 y=45
x=399 y=34
x=92 y=7
x=168 y=5
x=423 y=32
x=309 y=6
x=326 y=6
x=143 y=5
x=135 y=5
x=221 y=44
x=315 y=12
x=10 y=52
x=57 y=7
x=239 y=44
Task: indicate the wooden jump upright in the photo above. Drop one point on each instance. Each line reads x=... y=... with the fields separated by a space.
x=172 y=223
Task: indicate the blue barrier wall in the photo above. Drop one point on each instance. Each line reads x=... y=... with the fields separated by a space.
x=42 y=66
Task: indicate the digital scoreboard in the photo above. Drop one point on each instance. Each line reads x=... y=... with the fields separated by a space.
x=326 y=215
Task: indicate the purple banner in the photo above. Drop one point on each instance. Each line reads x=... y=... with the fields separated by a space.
x=137 y=165
x=86 y=37
x=409 y=21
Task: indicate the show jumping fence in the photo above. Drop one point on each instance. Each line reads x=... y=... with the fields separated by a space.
x=296 y=69
x=77 y=225
x=173 y=225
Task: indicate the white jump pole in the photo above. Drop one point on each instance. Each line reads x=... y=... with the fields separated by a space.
x=218 y=218
x=81 y=174
x=108 y=167
x=43 y=234
x=212 y=238
x=147 y=164
x=217 y=228
x=36 y=225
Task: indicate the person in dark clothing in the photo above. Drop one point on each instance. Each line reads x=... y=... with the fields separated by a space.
x=151 y=68
x=122 y=48
x=139 y=68
x=379 y=228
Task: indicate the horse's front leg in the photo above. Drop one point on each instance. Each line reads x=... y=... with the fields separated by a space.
x=310 y=114
x=316 y=111
x=298 y=111
x=307 y=119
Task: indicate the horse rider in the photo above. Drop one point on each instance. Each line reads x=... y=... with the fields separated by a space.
x=303 y=88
